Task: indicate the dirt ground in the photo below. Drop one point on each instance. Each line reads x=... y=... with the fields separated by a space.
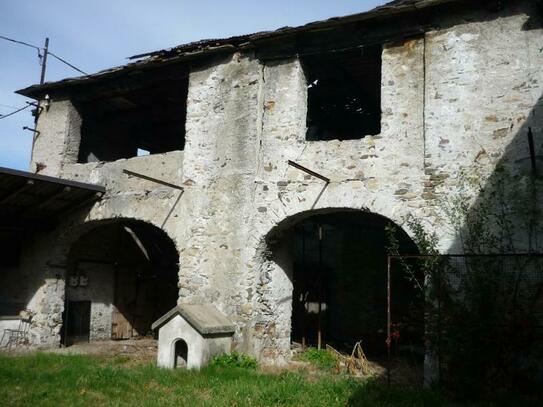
x=142 y=349
x=139 y=350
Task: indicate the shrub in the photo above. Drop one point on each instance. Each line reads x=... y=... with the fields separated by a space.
x=234 y=359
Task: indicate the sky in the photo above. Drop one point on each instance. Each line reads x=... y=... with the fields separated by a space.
x=98 y=34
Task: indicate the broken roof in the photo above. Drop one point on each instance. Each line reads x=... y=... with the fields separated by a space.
x=206 y=47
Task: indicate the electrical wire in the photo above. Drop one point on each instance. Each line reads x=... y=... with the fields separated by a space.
x=67 y=63
x=42 y=49
x=20 y=42
x=9 y=106
x=14 y=112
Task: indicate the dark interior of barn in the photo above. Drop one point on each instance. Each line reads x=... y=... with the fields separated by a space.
x=122 y=276
x=340 y=283
x=145 y=115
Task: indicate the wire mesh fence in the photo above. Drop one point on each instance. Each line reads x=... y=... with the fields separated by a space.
x=472 y=323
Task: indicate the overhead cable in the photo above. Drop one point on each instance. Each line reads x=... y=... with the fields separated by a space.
x=40 y=50
x=14 y=112
x=67 y=63
x=20 y=42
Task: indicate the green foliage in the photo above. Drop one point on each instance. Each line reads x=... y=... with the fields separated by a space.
x=479 y=313
x=318 y=357
x=234 y=360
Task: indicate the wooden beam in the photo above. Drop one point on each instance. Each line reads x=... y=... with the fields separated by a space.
x=84 y=202
x=28 y=184
x=53 y=197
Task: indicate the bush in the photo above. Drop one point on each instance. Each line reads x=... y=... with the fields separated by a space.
x=234 y=359
x=319 y=358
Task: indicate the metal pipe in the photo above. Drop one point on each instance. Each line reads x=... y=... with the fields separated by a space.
x=389 y=321
x=532 y=150
x=310 y=172
x=156 y=180
x=319 y=332
x=304 y=298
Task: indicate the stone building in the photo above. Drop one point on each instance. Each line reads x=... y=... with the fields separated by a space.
x=258 y=172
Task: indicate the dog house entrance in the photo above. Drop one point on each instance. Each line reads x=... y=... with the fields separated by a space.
x=181 y=354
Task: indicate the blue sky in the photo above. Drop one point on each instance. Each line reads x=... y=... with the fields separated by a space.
x=98 y=34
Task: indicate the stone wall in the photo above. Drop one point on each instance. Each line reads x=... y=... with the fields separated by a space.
x=241 y=185
x=44 y=261
x=460 y=97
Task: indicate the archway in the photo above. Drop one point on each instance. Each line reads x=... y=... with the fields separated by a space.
x=336 y=264
x=180 y=354
x=121 y=276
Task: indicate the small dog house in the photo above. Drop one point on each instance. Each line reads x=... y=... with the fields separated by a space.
x=189 y=335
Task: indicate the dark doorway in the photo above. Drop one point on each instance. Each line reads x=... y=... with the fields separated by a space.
x=77 y=322
x=339 y=277
x=127 y=271
x=181 y=354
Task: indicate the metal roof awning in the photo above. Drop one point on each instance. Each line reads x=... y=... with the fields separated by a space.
x=33 y=200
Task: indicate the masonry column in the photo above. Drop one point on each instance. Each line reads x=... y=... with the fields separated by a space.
x=57 y=142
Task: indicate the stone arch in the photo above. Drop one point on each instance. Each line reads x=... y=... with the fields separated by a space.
x=72 y=232
x=274 y=288
x=50 y=318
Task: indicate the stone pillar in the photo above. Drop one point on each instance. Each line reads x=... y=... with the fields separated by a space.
x=57 y=142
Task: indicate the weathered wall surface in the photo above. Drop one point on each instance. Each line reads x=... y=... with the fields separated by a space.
x=45 y=259
x=99 y=292
x=58 y=139
x=484 y=82
x=460 y=97
x=241 y=185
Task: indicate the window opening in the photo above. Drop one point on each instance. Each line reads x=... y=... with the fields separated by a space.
x=143 y=117
x=344 y=94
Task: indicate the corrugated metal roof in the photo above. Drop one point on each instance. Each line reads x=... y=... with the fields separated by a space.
x=207 y=47
x=29 y=200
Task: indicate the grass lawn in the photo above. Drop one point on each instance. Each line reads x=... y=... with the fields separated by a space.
x=42 y=379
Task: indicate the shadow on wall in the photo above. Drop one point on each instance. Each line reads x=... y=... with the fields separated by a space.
x=492 y=180
x=492 y=202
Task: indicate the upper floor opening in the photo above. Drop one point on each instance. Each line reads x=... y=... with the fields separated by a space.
x=143 y=114
x=344 y=93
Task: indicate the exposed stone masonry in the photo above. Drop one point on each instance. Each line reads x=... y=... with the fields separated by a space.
x=459 y=97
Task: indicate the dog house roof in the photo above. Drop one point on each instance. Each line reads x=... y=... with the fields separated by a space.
x=205 y=318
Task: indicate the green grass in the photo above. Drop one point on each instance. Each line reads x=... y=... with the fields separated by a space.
x=57 y=380
x=234 y=360
x=320 y=358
